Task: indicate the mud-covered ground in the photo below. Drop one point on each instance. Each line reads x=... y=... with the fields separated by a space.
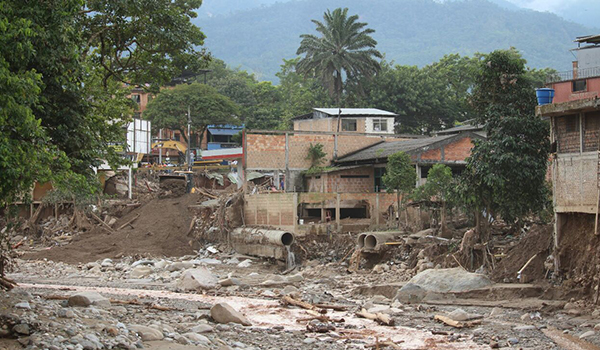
x=148 y=293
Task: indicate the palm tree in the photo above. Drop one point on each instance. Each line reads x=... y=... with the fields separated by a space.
x=343 y=48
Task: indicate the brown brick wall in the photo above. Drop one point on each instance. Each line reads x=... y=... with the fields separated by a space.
x=272 y=209
x=591 y=132
x=315 y=125
x=267 y=151
x=459 y=150
x=567 y=133
x=339 y=182
x=432 y=154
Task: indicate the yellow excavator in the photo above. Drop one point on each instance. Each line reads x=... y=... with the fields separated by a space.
x=182 y=149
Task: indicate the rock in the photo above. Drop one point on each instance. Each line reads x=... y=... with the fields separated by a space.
x=459 y=315
x=229 y=282
x=380 y=299
x=224 y=313
x=147 y=333
x=513 y=341
x=245 y=263
x=197 y=279
x=195 y=337
x=587 y=334
x=180 y=265
x=295 y=278
x=290 y=290
x=65 y=313
x=161 y=264
x=208 y=261
x=597 y=327
x=268 y=293
x=524 y=328
x=142 y=262
x=496 y=312
x=140 y=271
x=450 y=280
x=410 y=293
x=21 y=328
x=85 y=299
x=112 y=331
x=24 y=305
x=201 y=328
x=106 y=263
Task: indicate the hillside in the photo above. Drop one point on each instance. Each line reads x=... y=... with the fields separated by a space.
x=411 y=32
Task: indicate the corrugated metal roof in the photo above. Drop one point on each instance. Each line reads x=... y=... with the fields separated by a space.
x=355 y=111
x=460 y=128
x=385 y=149
x=219 y=131
x=590 y=39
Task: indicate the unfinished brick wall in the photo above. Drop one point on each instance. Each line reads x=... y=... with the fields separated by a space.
x=325 y=124
x=272 y=209
x=591 y=132
x=267 y=151
x=567 y=133
x=576 y=185
x=351 y=180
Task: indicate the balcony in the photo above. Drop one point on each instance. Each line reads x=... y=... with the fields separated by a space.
x=582 y=73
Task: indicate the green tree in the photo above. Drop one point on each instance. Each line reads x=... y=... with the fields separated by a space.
x=400 y=176
x=170 y=109
x=344 y=48
x=141 y=42
x=438 y=188
x=505 y=173
x=316 y=155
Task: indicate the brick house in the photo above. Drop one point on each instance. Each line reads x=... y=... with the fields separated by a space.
x=574 y=117
x=362 y=171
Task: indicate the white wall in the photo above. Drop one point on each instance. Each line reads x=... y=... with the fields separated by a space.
x=369 y=126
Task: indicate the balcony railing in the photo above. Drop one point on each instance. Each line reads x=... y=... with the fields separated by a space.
x=568 y=75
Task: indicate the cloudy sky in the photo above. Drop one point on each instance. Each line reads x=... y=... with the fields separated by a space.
x=544 y=5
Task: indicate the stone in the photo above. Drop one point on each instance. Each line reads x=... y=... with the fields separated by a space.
x=410 y=293
x=65 y=313
x=195 y=337
x=450 y=280
x=180 y=265
x=496 y=312
x=85 y=299
x=21 y=328
x=147 y=333
x=197 y=279
x=112 y=331
x=161 y=264
x=524 y=328
x=224 y=313
x=513 y=341
x=106 y=263
x=268 y=293
x=24 y=305
x=459 y=315
x=140 y=271
x=290 y=290
x=231 y=281
x=208 y=261
x=142 y=262
x=202 y=328
x=587 y=334
x=295 y=278
x=245 y=263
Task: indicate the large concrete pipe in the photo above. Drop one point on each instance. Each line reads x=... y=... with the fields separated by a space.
x=262 y=242
x=376 y=240
x=361 y=240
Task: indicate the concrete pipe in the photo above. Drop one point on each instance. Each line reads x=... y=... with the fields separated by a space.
x=361 y=240
x=262 y=242
x=376 y=240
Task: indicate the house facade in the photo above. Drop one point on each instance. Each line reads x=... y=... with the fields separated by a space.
x=358 y=120
x=574 y=117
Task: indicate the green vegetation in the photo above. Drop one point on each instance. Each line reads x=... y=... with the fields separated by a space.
x=345 y=48
x=316 y=155
x=505 y=174
x=400 y=176
x=170 y=109
x=439 y=187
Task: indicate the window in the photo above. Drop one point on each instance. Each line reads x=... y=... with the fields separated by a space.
x=579 y=85
x=349 y=125
x=136 y=98
x=380 y=125
x=177 y=137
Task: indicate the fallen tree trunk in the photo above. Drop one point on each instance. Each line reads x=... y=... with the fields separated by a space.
x=378 y=317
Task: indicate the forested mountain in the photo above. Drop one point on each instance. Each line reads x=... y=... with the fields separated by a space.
x=409 y=32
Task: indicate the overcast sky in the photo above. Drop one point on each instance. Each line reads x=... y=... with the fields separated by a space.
x=544 y=5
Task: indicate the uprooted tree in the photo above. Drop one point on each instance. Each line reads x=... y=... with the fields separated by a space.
x=400 y=176
x=505 y=175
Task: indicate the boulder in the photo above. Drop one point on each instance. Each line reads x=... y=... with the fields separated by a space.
x=85 y=299
x=140 y=271
x=146 y=333
x=454 y=280
x=224 y=313
x=197 y=279
x=410 y=293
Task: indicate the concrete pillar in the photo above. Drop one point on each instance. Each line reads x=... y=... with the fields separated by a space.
x=418 y=169
x=240 y=173
x=295 y=202
x=130 y=183
x=287 y=162
x=323 y=212
x=377 y=210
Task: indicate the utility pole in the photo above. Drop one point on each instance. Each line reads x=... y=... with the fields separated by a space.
x=189 y=148
x=160 y=148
